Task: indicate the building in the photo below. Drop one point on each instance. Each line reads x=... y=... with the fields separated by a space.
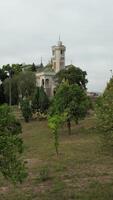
x=45 y=75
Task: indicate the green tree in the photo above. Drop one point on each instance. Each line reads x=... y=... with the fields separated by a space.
x=3 y=75
x=40 y=101
x=2 y=96
x=13 y=69
x=16 y=68
x=26 y=83
x=55 y=122
x=11 y=147
x=104 y=116
x=73 y=75
x=26 y=109
x=72 y=101
x=14 y=90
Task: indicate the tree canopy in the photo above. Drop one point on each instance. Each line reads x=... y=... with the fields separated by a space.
x=26 y=83
x=73 y=75
x=72 y=100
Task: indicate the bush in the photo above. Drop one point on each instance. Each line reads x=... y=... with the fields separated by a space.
x=11 y=146
x=26 y=110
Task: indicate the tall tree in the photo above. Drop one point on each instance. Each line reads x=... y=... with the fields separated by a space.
x=3 y=75
x=14 y=90
x=2 y=96
x=70 y=100
x=73 y=75
x=11 y=146
x=26 y=83
x=40 y=101
x=104 y=116
x=26 y=109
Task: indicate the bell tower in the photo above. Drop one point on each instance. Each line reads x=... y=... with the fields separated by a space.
x=58 y=56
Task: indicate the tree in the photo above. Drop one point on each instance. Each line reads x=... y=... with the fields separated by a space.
x=11 y=147
x=2 y=96
x=56 y=122
x=26 y=84
x=40 y=101
x=104 y=116
x=72 y=101
x=13 y=69
x=14 y=90
x=16 y=68
x=73 y=75
x=3 y=75
x=26 y=109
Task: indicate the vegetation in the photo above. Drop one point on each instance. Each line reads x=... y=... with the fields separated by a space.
x=104 y=113
x=16 y=84
x=14 y=90
x=40 y=101
x=79 y=172
x=72 y=101
x=73 y=75
x=26 y=84
x=26 y=109
x=11 y=146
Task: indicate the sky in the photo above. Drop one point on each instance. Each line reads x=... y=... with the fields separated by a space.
x=28 y=29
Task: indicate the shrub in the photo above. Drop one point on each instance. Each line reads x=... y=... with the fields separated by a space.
x=26 y=110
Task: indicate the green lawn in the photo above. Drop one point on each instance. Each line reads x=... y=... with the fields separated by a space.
x=80 y=172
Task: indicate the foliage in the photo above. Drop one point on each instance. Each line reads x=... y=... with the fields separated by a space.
x=73 y=75
x=104 y=115
x=26 y=109
x=40 y=101
x=11 y=146
x=26 y=83
x=72 y=100
x=14 y=90
x=16 y=68
x=55 y=122
x=3 y=75
x=13 y=69
x=2 y=96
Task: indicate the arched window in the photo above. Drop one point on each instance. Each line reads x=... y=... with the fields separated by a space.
x=47 y=82
x=42 y=82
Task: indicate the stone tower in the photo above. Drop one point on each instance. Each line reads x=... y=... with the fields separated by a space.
x=58 y=56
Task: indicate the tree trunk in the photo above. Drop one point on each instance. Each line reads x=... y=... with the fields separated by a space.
x=69 y=126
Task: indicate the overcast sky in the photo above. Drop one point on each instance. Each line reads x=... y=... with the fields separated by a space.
x=28 y=29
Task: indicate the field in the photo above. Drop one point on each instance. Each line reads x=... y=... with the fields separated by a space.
x=80 y=172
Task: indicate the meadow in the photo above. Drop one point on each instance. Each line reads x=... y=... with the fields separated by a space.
x=80 y=172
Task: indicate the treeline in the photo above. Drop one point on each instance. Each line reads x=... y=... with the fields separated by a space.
x=12 y=78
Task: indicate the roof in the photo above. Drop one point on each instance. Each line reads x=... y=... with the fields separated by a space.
x=47 y=68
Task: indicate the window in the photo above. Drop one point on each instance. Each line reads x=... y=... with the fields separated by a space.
x=42 y=82
x=47 y=82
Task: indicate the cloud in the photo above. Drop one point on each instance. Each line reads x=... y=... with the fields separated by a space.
x=28 y=29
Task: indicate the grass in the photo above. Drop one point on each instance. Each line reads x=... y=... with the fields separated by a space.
x=80 y=172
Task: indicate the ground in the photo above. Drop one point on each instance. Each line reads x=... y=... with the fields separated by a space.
x=80 y=172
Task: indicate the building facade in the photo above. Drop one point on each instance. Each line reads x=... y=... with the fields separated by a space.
x=45 y=76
